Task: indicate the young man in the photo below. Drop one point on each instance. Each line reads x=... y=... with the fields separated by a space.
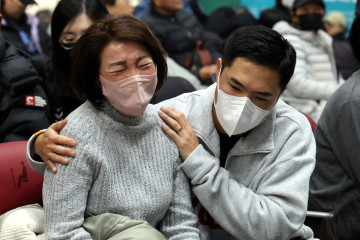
x=315 y=77
x=249 y=155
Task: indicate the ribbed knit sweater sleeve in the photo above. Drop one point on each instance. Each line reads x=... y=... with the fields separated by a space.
x=65 y=193
x=177 y=223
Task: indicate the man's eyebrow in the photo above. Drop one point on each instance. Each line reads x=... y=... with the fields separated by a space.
x=265 y=94
x=237 y=82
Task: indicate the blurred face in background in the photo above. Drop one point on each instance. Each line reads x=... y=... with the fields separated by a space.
x=168 y=6
x=334 y=29
x=120 y=7
x=307 y=10
x=74 y=30
x=15 y=9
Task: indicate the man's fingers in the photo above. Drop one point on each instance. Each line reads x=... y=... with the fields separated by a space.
x=60 y=150
x=59 y=125
x=55 y=158
x=172 y=134
x=173 y=113
x=53 y=137
x=173 y=123
x=62 y=140
x=51 y=165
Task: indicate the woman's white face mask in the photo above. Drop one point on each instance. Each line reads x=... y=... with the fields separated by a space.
x=237 y=115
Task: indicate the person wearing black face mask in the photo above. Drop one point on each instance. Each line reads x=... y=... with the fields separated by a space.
x=308 y=14
x=315 y=78
x=70 y=20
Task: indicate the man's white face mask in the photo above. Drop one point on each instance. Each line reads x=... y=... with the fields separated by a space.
x=237 y=114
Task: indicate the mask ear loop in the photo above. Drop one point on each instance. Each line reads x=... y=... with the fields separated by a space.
x=217 y=85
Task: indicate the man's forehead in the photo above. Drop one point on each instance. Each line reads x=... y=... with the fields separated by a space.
x=244 y=72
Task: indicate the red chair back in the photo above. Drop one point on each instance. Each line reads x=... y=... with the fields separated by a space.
x=20 y=185
x=311 y=121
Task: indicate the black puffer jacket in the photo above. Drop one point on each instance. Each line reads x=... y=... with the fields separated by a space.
x=179 y=34
x=23 y=102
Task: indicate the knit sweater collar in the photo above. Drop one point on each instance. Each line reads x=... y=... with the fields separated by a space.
x=121 y=118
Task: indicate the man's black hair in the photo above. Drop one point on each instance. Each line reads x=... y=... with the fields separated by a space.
x=262 y=46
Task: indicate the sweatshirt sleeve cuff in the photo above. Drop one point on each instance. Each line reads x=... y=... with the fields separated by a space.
x=35 y=162
x=198 y=161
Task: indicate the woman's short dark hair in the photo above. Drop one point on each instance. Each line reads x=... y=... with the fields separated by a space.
x=64 y=13
x=86 y=54
x=263 y=46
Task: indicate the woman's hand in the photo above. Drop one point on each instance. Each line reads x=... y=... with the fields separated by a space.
x=49 y=146
x=182 y=133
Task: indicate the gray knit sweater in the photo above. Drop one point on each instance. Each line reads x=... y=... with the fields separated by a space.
x=123 y=165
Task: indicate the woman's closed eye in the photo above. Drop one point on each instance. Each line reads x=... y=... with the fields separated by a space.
x=146 y=66
x=70 y=40
x=118 y=71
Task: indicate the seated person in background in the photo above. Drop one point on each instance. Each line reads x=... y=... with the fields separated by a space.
x=23 y=30
x=190 y=6
x=250 y=173
x=183 y=37
x=268 y=17
x=125 y=165
x=24 y=106
x=70 y=20
x=315 y=78
x=346 y=64
x=337 y=169
x=116 y=7
x=225 y=20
